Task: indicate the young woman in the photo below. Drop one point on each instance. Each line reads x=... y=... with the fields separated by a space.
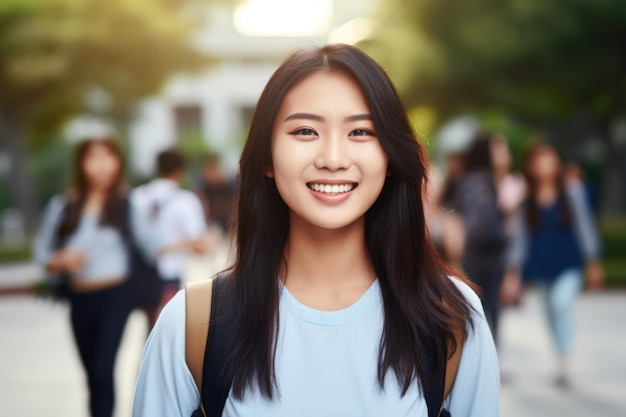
x=83 y=236
x=339 y=296
x=555 y=244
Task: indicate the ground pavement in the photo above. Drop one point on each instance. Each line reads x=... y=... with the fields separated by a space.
x=40 y=373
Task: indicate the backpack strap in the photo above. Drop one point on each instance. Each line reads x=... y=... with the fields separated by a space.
x=205 y=353
x=198 y=297
x=443 y=384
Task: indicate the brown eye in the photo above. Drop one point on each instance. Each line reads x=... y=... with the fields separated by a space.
x=304 y=132
x=362 y=132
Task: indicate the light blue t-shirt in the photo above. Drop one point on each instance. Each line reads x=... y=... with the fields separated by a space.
x=326 y=366
x=104 y=247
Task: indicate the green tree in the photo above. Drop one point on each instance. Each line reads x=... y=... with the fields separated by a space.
x=556 y=65
x=54 y=53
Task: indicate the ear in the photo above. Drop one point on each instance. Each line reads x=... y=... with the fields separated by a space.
x=269 y=171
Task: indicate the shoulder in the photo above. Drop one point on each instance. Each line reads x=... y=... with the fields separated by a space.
x=475 y=391
x=575 y=192
x=59 y=200
x=172 y=319
x=186 y=198
x=467 y=292
x=56 y=205
x=186 y=195
x=165 y=386
x=167 y=340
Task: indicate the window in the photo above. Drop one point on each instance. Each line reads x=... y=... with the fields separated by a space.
x=188 y=120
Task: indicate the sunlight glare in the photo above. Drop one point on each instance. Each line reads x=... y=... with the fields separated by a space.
x=283 y=17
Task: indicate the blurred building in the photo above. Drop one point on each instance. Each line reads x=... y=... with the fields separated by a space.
x=249 y=40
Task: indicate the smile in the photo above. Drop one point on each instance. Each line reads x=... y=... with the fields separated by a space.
x=332 y=189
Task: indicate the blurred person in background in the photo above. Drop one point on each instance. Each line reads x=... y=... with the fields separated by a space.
x=511 y=188
x=177 y=215
x=482 y=236
x=217 y=194
x=556 y=245
x=84 y=236
x=443 y=222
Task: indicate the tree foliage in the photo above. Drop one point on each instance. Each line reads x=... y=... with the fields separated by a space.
x=558 y=66
x=53 y=53
x=56 y=56
x=543 y=59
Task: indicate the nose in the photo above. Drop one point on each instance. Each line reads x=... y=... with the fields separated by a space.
x=333 y=153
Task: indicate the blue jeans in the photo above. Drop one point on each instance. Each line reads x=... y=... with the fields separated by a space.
x=558 y=297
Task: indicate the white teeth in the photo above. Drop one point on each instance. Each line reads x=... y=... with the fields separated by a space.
x=332 y=189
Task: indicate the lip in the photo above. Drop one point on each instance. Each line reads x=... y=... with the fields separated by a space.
x=329 y=198
x=332 y=182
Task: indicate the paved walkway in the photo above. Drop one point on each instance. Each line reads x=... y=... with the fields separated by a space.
x=40 y=373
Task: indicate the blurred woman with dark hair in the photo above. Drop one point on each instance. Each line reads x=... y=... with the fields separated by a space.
x=555 y=243
x=84 y=237
x=482 y=221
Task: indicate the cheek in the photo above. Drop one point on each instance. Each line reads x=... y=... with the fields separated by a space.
x=376 y=163
x=113 y=167
x=288 y=160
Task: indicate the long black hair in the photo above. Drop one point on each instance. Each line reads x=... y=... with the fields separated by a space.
x=423 y=309
x=478 y=156
x=112 y=213
x=536 y=147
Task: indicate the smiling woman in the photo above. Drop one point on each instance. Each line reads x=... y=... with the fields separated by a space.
x=283 y=17
x=324 y=139
x=337 y=303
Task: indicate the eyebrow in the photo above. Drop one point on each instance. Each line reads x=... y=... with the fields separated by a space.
x=315 y=117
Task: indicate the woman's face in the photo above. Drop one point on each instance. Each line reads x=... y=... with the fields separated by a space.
x=544 y=165
x=327 y=162
x=101 y=167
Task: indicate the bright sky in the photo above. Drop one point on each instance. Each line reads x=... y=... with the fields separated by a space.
x=283 y=17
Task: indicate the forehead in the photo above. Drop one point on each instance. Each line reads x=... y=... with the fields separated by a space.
x=99 y=149
x=545 y=154
x=325 y=91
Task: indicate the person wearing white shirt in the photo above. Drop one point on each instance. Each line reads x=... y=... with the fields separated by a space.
x=177 y=215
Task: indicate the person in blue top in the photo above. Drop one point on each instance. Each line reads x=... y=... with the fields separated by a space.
x=84 y=236
x=556 y=244
x=339 y=301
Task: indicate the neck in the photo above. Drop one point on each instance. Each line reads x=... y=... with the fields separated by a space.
x=546 y=193
x=327 y=269
x=176 y=177
x=95 y=200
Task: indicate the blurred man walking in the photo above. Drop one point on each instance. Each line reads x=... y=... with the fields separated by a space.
x=178 y=216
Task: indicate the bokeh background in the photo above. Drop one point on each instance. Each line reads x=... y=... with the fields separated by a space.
x=187 y=73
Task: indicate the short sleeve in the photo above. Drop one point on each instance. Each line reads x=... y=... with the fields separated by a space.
x=148 y=237
x=583 y=223
x=165 y=387
x=476 y=389
x=193 y=222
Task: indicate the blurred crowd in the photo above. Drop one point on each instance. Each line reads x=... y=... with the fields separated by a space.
x=109 y=250
x=505 y=229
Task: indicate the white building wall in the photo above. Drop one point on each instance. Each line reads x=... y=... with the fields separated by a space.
x=224 y=89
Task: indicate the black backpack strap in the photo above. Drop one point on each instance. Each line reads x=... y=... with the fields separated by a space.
x=216 y=381
x=434 y=395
